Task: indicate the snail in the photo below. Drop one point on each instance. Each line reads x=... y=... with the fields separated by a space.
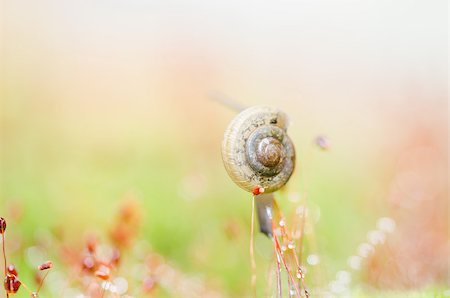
x=256 y=150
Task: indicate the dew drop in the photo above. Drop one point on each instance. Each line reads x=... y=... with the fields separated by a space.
x=313 y=259
x=121 y=285
x=376 y=237
x=344 y=277
x=354 y=262
x=306 y=293
x=300 y=274
x=364 y=249
x=386 y=224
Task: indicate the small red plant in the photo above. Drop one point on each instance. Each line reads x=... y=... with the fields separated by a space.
x=12 y=282
x=97 y=268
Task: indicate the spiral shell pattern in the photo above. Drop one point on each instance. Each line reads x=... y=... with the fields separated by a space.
x=256 y=150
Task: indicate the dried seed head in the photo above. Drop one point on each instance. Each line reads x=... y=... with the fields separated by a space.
x=148 y=284
x=115 y=257
x=45 y=266
x=11 y=284
x=103 y=272
x=11 y=269
x=88 y=263
x=2 y=225
x=122 y=235
x=91 y=243
x=129 y=210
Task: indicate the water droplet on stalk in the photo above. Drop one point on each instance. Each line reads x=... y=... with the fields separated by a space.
x=291 y=245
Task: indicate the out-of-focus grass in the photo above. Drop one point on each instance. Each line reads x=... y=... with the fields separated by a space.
x=75 y=181
x=425 y=293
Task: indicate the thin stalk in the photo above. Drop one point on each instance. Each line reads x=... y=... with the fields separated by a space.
x=25 y=286
x=4 y=259
x=279 y=288
x=252 y=250
x=288 y=271
x=42 y=282
x=103 y=292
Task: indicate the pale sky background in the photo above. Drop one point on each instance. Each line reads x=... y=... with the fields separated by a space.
x=286 y=49
x=341 y=67
x=100 y=97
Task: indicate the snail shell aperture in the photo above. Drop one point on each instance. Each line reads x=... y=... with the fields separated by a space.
x=256 y=150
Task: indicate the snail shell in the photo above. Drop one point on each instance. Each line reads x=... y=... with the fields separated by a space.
x=256 y=150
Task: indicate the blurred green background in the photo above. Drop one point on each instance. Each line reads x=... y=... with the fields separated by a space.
x=106 y=100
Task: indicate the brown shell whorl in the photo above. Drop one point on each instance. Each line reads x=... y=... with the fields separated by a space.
x=256 y=150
